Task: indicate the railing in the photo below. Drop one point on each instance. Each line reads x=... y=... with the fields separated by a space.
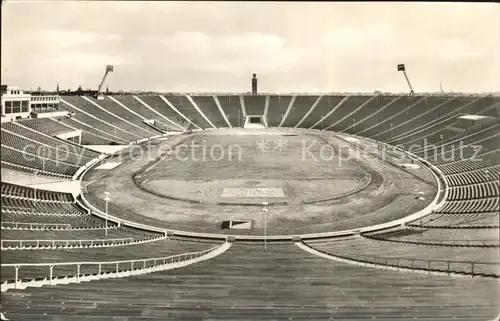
x=487 y=269
x=62 y=243
x=57 y=244
x=36 y=225
x=39 y=200
x=20 y=210
x=440 y=242
x=426 y=225
x=96 y=269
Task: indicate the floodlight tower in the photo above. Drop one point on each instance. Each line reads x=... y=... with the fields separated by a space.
x=402 y=67
x=109 y=68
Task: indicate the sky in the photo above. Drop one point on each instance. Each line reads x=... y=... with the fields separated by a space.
x=216 y=46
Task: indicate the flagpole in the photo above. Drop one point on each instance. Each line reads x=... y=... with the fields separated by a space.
x=265 y=210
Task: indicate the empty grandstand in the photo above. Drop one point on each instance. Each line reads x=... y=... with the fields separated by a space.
x=46 y=233
x=185 y=191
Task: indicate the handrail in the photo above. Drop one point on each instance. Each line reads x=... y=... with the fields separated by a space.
x=39 y=200
x=468 y=267
x=148 y=265
x=451 y=242
x=55 y=244
x=20 y=210
x=108 y=262
x=366 y=256
x=70 y=240
x=38 y=224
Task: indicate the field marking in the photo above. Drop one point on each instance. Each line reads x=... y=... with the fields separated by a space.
x=257 y=192
x=253 y=178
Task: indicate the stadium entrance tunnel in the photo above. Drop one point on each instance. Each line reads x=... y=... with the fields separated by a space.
x=236 y=225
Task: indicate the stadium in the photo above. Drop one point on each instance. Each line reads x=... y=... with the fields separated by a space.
x=249 y=206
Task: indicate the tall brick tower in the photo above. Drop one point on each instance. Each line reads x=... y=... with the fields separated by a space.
x=254 y=84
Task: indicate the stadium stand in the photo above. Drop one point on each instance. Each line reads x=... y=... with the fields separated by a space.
x=449 y=237
x=158 y=248
x=232 y=107
x=20 y=143
x=208 y=106
x=162 y=108
x=459 y=237
x=320 y=112
x=89 y=114
x=133 y=104
x=381 y=121
x=254 y=105
x=30 y=163
x=127 y=120
x=92 y=135
x=186 y=108
x=278 y=105
x=18 y=191
x=299 y=109
x=459 y=221
x=46 y=125
x=463 y=258
x=246 y=282
x=19 y=129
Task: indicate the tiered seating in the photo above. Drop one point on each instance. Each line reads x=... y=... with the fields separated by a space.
x=471 y=206
x=209 y=108
x=377 y=251
x=247 y=283
x=437 y=126
x=132 y=123
x=161 y=248
x=482 y=161
x=47 y=126
x=382 y=121
x=184 y=106
x=439 y=108
x=299 y=109
x=428 y=148
x=383 y=131
x=122 y=128
x=50 y=141
x=12 y=190
x=479 y=144
x=119 y=232
x=320 y=111
x=459 y=221
x=479 y=190
x=367 y=246
x=17 y=205
x=160 y=125
x=345 y=109
x=9 y=218
x=136 y=106
x=91 y=135
x=29 y=163
x=474 y=176
x=361 y=111
x=254 y=105
x=439 y=235
x=232 y=107
x=277 y=109
x=102 y=121
x=157 y=104
x=41 y=150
